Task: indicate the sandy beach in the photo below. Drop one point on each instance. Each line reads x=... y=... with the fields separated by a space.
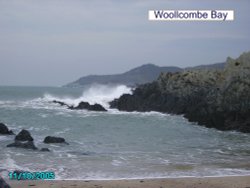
x=204 y=182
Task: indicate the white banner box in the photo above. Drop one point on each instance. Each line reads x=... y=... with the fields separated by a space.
x=191 y=15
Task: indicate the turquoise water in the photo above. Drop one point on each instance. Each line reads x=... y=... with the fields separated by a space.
x=113 y=144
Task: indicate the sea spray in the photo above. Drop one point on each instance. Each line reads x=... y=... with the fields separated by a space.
x=96 y=93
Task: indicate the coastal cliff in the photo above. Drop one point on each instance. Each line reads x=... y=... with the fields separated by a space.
x=213 y=98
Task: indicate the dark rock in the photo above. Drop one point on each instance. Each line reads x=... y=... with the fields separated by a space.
x=24 y=135
x=25 y=145
x=83 y=105
x=4 y=129
x=97 y=107
x=86 y=106
x=52 y=139
x=60 y=102
x=23 y=140
x=3 y=184
x=45 y=149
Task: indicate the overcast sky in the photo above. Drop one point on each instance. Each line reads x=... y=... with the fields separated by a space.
x=54 y=42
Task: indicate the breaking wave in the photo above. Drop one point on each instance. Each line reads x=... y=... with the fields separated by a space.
x=101 y=94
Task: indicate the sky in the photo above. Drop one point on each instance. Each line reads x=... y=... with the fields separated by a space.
x=54 y=42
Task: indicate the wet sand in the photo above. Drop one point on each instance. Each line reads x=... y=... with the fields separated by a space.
x=204 y=182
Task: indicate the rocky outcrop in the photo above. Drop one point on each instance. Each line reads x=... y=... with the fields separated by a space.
x=83 y=106
x=24 y=135
x=23 y=140
x=4 y=129
x=52 y=139
x=213 y=98
x=61 y=103
x=87 y=106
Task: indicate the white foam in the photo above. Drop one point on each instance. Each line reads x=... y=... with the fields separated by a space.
x=2 y=138
x=150 y=113
x=10 y=164
x=101 y=94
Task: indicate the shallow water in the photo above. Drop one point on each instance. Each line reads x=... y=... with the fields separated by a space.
x=113 y=144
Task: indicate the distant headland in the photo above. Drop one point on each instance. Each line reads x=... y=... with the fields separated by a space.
x=139 y=75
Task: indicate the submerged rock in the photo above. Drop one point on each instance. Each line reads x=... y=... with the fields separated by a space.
x=4 y=129
x=24 y=135
x=52 y=139
x=25 y=145
x=213 y=98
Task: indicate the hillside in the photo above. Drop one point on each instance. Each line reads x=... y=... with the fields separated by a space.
x=139 y=75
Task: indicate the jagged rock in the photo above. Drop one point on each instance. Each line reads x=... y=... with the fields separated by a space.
x=24 y=135
x=214 y=98
x=25 y=145
x=97 y=107
x=60 y=102
x=23 y=140
x=44 y=149
x=4 y=129
x=3 y=184
x=87 y=106
x=52 y=139
x=82 y=106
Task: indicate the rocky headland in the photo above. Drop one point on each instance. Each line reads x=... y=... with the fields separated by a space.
x=213 y=98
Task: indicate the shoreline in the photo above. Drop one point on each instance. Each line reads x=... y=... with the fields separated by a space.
x=190 y=182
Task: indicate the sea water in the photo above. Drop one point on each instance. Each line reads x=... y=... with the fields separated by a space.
x=112 y=144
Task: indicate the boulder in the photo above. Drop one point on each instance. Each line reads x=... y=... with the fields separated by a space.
x=3 y=184
x=25 y=145
x=23 y=140
x=4 y=129
x=52 y=139
x=86 y=106
x=24 y=135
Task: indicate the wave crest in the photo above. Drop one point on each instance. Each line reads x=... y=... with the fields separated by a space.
x=101 y=94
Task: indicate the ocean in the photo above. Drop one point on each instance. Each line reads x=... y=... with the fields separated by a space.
x=113 y=144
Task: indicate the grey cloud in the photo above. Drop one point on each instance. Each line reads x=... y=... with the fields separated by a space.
x=52 y=42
